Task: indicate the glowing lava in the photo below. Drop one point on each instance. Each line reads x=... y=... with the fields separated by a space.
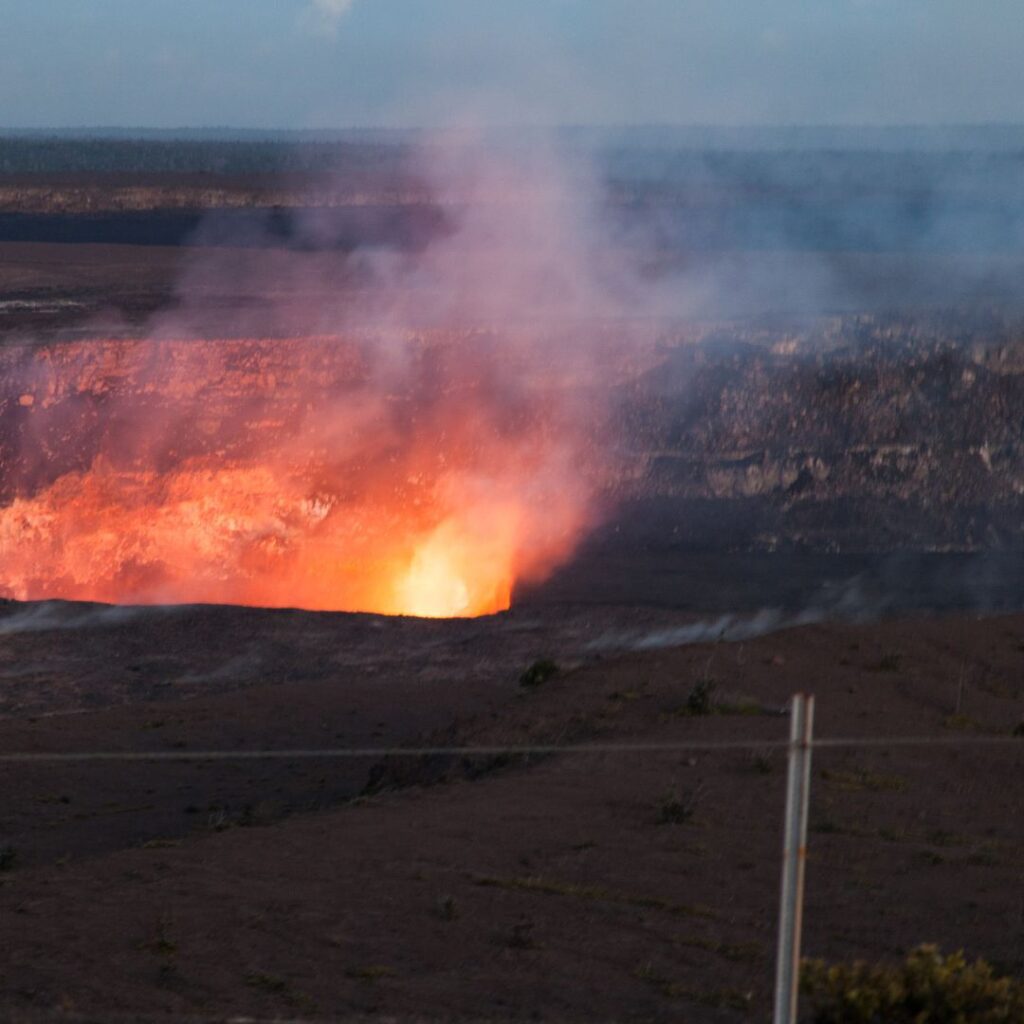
x=431 y=497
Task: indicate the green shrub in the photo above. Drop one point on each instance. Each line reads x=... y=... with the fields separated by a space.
x=927 y=988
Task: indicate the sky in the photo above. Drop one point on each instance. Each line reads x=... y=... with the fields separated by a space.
x=345 y=63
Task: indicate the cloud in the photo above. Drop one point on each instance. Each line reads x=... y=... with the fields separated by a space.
x=324 y=16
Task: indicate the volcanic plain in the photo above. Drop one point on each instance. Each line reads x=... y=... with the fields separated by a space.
x=615 y=885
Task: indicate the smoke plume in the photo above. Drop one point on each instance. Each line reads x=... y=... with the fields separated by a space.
x=417 y=440
x=324 y=16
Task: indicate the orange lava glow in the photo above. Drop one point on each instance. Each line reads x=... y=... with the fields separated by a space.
x=281 y=487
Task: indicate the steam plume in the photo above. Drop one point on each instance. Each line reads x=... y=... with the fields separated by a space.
x=326 y=15
x=439 y=439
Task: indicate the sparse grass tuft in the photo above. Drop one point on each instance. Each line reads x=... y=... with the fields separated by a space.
x=521 y=936
x=961 y=723
x=160 y=844
x=446 y=908
x=853 y=781
x=161 y=944
x=220 y=818
x=538 y=673
x=701 y=701
x=625 y=695
x=740 y=706
x=266 y=982
x=761 y=761
x=826 y=827
x=888 y=662
x=985 y=855
x=676 y=808
x=594 y=893
x=719 y=999
x=278 y=986
x=735 y=952
x=943 y=837
x=372 y=972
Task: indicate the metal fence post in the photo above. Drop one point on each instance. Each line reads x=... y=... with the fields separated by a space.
x=794 y=857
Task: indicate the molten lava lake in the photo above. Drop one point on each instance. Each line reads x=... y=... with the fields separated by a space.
x=422 y=474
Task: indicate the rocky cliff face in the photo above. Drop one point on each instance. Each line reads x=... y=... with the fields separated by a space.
x=861 y=433
x=147 y=404
x=845 y=434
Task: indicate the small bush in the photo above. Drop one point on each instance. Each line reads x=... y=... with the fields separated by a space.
x=698 y=701
x=676 y=808
x=8 y=857
x=539 y=672
x=928 y=988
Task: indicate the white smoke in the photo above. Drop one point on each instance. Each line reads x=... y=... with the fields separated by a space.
x=850 y=601
x=47 y=616
x=324 y=16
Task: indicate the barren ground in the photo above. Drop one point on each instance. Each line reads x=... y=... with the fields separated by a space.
x=488 y=887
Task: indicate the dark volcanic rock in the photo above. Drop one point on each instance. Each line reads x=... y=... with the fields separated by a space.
x=873 y=435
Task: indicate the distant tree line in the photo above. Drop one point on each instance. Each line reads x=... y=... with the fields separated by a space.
x=19 y=155
x=992 y=174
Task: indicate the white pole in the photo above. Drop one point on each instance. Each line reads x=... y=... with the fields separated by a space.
x=794 y=858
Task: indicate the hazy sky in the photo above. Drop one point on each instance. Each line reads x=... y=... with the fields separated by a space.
x=326 y=63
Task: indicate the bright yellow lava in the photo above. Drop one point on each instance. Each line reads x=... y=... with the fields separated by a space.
x=432 y=588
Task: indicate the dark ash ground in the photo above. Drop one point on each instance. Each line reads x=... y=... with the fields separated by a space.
x=485 y=886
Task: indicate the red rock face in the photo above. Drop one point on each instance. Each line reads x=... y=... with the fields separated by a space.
x=408 y=474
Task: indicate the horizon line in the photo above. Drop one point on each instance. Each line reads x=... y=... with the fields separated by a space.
x=513 y=126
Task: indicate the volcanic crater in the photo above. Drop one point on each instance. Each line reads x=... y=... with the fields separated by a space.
x=633 y=531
